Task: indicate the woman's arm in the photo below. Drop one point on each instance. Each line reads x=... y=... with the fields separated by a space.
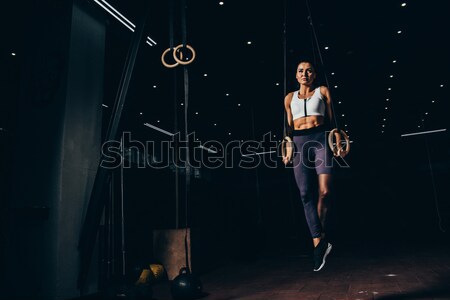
x=287 y=107
x=326 y=92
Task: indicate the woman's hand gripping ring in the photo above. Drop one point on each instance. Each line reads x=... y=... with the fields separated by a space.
x=287 y=148
x=336 y=147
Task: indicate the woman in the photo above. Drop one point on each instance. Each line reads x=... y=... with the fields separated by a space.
x=306 y=111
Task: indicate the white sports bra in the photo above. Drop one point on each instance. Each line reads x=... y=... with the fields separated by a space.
x=312 y=106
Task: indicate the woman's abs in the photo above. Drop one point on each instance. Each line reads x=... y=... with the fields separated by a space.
x=308 y=122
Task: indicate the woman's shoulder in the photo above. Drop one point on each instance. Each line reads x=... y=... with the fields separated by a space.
x=288 y=98
x=323 y=88
x=290 y=95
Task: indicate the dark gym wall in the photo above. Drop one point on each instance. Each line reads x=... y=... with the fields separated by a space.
x=57 y=149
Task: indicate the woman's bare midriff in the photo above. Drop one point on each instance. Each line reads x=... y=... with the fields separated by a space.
x=308 y=122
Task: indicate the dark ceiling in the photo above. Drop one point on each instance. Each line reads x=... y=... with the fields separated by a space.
x=362 y=40
x=248 y=80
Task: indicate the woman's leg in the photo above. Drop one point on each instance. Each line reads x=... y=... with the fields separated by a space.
x=304 y=177
x=323 y=203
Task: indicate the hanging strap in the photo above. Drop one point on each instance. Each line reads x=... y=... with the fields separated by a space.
x=186 y=132
x=171 y=44
x=287 y=130
x=315 y=42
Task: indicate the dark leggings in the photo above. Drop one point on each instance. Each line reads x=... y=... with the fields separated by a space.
x=312 y=157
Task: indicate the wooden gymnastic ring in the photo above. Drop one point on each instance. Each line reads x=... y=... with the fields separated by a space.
x=330 y=140
x=180 y=61
x=287 y=147
x=164 y=61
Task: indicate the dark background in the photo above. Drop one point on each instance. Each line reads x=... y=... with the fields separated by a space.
x=395 y=188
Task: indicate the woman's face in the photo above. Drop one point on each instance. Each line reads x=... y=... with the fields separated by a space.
x=305 y=73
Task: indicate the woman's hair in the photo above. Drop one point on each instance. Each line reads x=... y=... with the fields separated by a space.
x=309 y=62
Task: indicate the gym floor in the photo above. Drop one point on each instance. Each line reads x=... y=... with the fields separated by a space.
x=390 y=270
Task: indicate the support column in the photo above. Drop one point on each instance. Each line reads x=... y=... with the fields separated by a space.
x=57 y=150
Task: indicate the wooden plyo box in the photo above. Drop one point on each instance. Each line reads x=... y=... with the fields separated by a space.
x=169 y=249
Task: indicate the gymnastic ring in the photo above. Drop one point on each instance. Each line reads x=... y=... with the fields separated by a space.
x=287 y=147
x=164 y=61
x=330 y=141
x=180 y=61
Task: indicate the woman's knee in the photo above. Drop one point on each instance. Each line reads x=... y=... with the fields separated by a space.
x=306 y=196
x=324 y=193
